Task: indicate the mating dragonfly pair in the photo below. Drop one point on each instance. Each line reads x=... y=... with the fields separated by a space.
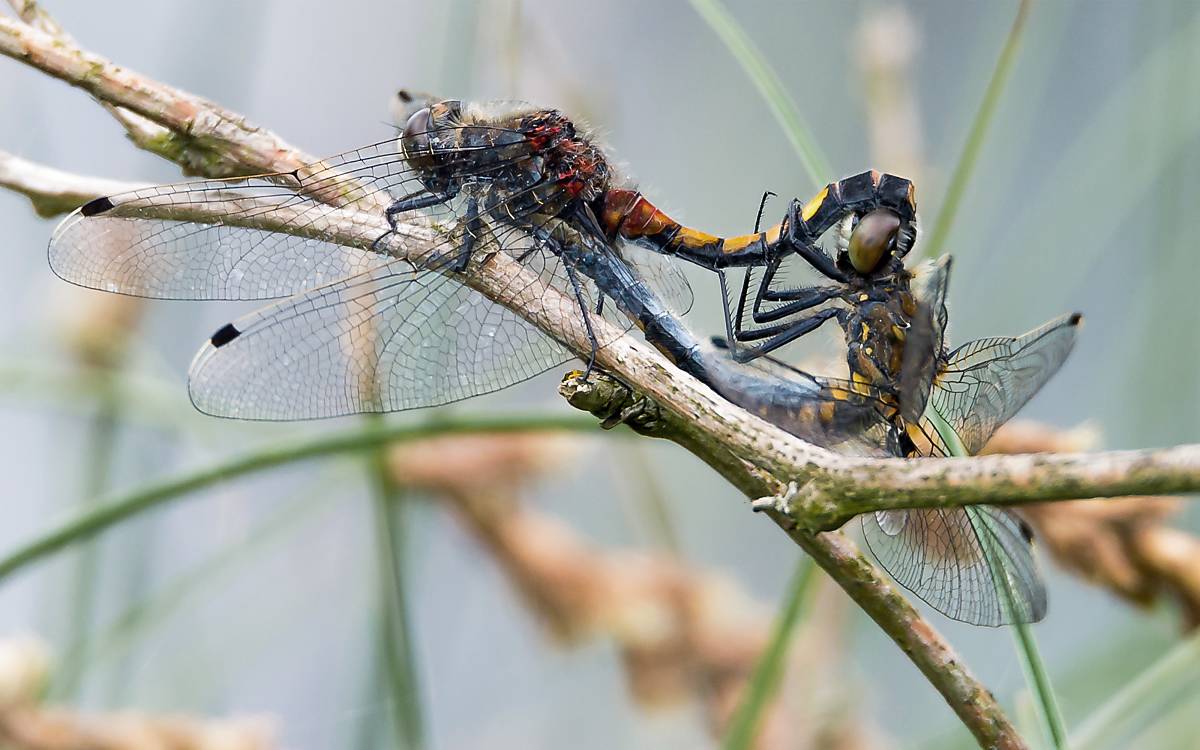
x=367 y=325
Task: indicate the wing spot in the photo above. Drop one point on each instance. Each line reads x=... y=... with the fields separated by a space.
x=227 y=333
x=97 y=206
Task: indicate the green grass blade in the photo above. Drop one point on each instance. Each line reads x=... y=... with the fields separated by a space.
x=395 y=631
x=143 y=616
x=1031 y=657
x=99 y=454
x=1138 y=704
x=770 y=667
x=976 y=136
x=1039 y=681
x=107 y=513
x=767 y=81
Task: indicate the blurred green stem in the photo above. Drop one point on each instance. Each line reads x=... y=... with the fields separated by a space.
x=764 y=78
x=763 y=683
x=1142 y=699
x=1031 y=658
x=99 y=450
x=139 y=617
x=976 y=136
x=395 y=637
x=651 y=503
x=111 y=512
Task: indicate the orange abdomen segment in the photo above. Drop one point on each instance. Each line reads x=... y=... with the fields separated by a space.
x=627 y=214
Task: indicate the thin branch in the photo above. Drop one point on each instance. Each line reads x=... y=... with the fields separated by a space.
x=105 y=514
x=51 y=191
x=840 y=489
x=214 y=141
x=833 y=551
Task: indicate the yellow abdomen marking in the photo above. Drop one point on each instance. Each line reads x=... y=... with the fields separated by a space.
x=811 y=208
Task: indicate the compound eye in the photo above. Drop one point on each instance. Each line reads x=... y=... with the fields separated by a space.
x=872 y=239
x=416 y=132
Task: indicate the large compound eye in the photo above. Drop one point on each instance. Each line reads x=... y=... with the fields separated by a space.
x=872 y=239
x=416 y=132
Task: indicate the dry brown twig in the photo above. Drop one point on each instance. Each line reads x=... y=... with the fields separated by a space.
x=25 y=724
x=683 y=633
x=755 y=456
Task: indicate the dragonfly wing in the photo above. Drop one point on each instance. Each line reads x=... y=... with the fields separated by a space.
x=986 y=382
x=664 y=276
x=248 y=238
x=389 y=339
x=923 y=344
x=939 y=555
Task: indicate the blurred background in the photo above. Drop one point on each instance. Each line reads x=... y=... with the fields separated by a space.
x=537 y=600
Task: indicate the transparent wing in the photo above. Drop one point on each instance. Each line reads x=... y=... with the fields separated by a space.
x=388 y=339
x=938 y=554
x=662 y=274
x=221 y=246
x=986 y=382
x=923 y=344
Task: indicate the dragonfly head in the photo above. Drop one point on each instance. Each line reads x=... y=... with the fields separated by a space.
x=419 y=136
x=875 y=237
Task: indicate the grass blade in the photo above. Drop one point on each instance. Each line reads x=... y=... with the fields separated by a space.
x=976 y=136
x=1031 y=658
x=395 y=632
x=767 y=672
x=123 y=507
x=1143 y=699
x=767 y=81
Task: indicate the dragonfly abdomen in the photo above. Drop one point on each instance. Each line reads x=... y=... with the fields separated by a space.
x=628 y=215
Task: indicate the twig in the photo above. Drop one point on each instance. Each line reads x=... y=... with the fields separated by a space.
x=27 y=725
x=52 y=191
x=833 y=551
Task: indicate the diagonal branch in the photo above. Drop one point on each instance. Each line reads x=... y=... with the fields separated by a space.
x=52 y=191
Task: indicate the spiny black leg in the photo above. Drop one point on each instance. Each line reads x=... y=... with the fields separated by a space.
x=723 y=343
x=729 y=320
x=801 y=299
x=807 y=249
x=762 y=205
x=806 y=323
x=593 y=342
x=408 y=203
x=470 y=235
x=780 y=335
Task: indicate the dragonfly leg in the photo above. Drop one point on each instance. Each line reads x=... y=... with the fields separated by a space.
x=593 y=342
x=762 y=205
x=798 y=299
x=408 y=203
x=470 y=236
x=779 y=335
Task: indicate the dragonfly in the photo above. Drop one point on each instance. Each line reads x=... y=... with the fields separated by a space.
x=360 y=325
x=973 y=564
x=906 y=394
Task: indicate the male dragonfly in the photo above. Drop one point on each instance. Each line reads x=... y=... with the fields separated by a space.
x=362 y=328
